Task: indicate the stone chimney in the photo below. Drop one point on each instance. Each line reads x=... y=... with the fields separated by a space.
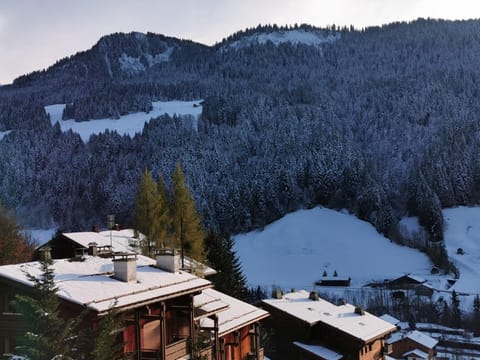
x=125 y=267
x=95 y=228
x=168 y=260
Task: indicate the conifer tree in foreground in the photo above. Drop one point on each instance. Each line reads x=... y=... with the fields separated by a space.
x=229 y=277
x=187 y=224
x=50 y=336
x=147 y=209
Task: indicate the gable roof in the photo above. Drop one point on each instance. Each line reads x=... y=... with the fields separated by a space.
x=422 y=339
x=236 y=315
x=417 y=352
x=90 y=283
x=414 y=335
x=125 y=241
x=342 y=317
x=121 y=240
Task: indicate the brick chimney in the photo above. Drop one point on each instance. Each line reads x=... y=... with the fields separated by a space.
x=125 y=267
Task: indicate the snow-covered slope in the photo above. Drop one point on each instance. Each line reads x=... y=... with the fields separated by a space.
x=295 y=250
x=314 y=38
x=128 y=124
x=462 y=230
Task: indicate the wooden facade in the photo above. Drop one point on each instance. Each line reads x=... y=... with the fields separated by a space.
x=405 y=345
x=163 y=329
x=288 y=329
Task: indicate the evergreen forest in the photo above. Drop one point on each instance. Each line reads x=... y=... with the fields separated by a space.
x=382 y=121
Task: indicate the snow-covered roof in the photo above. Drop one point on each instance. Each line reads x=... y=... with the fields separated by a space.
x=206 y=304
x=343 y=317
x=417 y=353
x=422 y=339
x=320 y=351
x=414 y=335
x=237 y=315
x=125 y=241
x=390 y=319
x=121 y=241
x=90 y=282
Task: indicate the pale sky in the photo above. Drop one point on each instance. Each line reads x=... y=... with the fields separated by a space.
x=34 y=34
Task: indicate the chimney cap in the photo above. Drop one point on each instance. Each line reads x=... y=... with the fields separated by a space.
x=124 y=256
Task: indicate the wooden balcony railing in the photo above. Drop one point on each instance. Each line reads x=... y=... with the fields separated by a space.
x=177 y=349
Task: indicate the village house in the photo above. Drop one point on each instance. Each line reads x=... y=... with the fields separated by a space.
x=167 y=310
x=412 y=345
x=104 y=244
x=309 y=327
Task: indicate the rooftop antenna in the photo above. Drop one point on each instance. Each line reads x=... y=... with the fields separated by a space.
x=110 y=225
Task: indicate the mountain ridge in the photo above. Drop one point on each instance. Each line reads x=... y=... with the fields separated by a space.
x=382 y=122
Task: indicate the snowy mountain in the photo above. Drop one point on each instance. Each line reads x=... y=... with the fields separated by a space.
x=383 y=122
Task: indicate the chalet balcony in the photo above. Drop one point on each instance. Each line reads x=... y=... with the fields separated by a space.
x=173 y=351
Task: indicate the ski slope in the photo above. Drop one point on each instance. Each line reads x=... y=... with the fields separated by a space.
x=294 y=251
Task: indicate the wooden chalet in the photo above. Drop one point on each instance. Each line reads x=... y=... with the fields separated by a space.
x=412 y=345
x=105 y=244
x=405 y=282
x=169 y=313
x=308 y=327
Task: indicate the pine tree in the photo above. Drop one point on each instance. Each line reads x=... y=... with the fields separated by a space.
x=50 y=335
x=456 y=311
x=187 y=224
x=147 y=210
x=102 y=343
x=14 y=246
x=221 y=256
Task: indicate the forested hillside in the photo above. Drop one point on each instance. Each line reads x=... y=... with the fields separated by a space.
x=383 y=122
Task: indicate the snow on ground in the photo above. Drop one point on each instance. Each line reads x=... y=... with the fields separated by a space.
x=294 y=251
x=314 y=38
x=128 y=124
x=462 y=230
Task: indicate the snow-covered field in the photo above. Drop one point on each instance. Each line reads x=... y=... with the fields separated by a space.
x=294 y=251
x=463 y=231
x=299 y=36
x=128 y=124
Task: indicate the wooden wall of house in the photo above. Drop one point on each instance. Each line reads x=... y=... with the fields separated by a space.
x=372 y=351
x=283 y=330
x=405 y=345
x=238 y=350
